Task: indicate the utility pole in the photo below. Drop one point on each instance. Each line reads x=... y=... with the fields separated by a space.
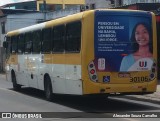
x=45 y=10
x=63 y=4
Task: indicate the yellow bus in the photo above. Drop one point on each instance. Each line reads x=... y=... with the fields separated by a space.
x=95 y=52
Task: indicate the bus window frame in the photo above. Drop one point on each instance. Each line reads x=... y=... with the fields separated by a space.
x=39 y=31
x=15 y=39
x=25 y=52
x=23 y=36
x=66 y=36
x=50 y=40
x=63 y=39
x=9 y=46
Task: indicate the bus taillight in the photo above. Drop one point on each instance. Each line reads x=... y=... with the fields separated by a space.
x=153 y=71
x=92 y=72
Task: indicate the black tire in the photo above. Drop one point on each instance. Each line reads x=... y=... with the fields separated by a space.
x=48 y=89
x=16 y=86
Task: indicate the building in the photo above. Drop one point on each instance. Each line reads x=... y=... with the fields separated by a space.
x=15 y=19
x=128 y=2
x=94 y=4
x=55 y=5
x=154 y=7
x=28 y=5
x=44 y=5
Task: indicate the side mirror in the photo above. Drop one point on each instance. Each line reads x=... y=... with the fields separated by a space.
x=5 y=44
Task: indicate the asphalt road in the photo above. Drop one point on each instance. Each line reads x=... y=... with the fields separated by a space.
x=32 y=100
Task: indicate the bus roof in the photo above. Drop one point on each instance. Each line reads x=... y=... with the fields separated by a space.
x=59 y=21
x=47 y=24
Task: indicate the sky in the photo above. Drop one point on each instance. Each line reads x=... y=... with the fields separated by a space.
x=3 y=2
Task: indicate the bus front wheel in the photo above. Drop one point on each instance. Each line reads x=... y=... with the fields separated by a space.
x=48 y=89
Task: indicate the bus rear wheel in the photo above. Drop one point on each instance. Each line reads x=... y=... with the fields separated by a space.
x=48 y=89
x=16 y=86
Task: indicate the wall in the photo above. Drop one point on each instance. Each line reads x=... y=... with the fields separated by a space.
x=99 y=3
x=17 y=21
x=62 y=13
x=2 y=58
x=127 y=2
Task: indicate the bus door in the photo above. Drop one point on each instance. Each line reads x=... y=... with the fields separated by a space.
x=31 y=67
x=73 y=57
x=30 y=62
x=7 y=46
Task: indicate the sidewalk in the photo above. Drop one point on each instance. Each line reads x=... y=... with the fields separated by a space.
x=154 y=98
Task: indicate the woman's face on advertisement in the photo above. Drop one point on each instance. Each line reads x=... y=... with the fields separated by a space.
x=142 y=35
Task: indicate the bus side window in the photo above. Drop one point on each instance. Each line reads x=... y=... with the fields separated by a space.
x=37 y=41
x=20 y=43
x=28 y=43
x=14 y=44
x=46 y=42
x=58 y=40
x=8 y=49
x=73 y=37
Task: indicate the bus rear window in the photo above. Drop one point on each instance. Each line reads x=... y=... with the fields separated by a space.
x=73 y=37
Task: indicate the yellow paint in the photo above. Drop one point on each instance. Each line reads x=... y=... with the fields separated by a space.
x=62 y=2
x=70 y=59
x=115 y=79
x=154 y=37
x=152 y=86
x=88 y=51
x=15 y=32
x=13 y=60
x=73 y=59
x=64 y=20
